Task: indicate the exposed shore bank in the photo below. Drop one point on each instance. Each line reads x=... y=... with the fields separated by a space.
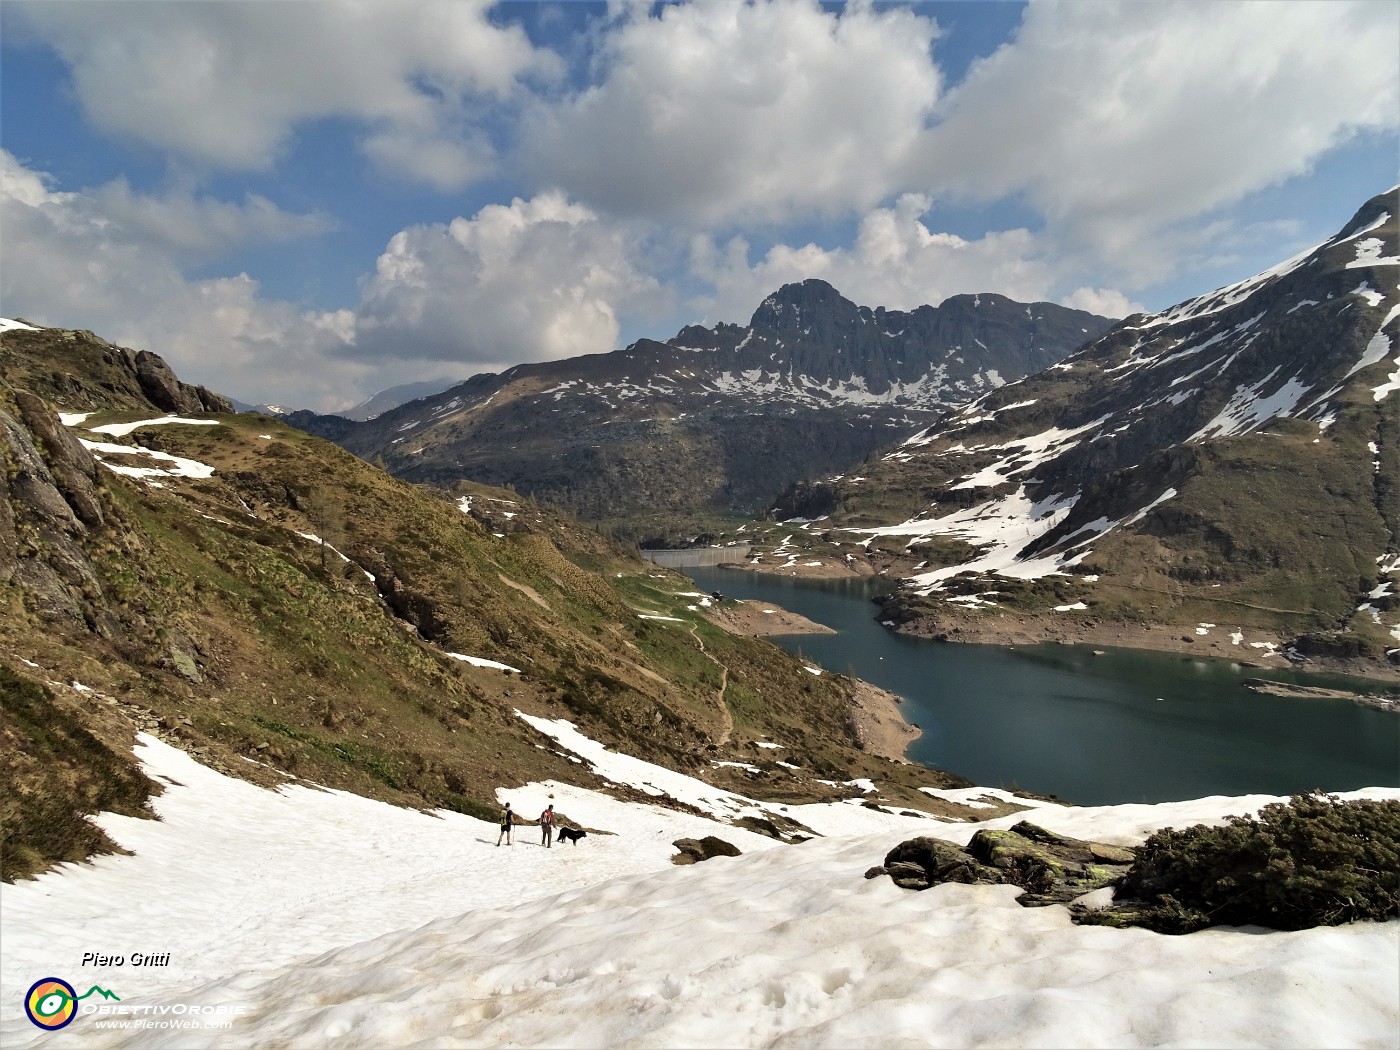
x=875 y=714
x=759 y=619
x=1216 y=643
x=879 y=722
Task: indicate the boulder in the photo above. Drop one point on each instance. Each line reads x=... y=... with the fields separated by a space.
x=941 y=861
x=1051 y=868
x=909 y=875
x=693 y=851
x=160 y=384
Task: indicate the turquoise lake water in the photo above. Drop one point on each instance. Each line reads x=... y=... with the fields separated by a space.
x=1127 y=726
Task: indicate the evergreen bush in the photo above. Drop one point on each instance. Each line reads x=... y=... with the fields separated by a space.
x=1313 y=861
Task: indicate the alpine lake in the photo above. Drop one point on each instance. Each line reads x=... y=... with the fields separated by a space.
x=1124 y=726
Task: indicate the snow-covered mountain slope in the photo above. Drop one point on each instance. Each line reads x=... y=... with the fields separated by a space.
x=311 y=918
x=717 y=418
x=385 y=400
x=1237 y=455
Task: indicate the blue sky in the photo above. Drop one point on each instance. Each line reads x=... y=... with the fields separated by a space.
x=302 y=203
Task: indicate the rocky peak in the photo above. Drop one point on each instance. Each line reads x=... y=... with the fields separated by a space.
x=795 y=307
x=1372 y=213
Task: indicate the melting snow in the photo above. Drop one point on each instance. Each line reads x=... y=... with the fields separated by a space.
x=8 y=325
x=179 y=467
x=607 y=944
x=1372 y=297
x=123 y=429
x=1378 y=347
x=1368 y=253
x=478 y=661
x=1247 y=409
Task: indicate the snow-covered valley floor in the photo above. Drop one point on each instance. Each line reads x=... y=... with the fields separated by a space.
x=315 y=918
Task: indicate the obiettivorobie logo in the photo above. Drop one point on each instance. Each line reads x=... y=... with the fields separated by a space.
x=52 y=1003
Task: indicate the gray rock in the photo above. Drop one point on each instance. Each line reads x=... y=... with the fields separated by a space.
x=31 y=482
x=692 y=851
x=909 y=875
x=74 y=470
x=161 y=386
x=1052 y=869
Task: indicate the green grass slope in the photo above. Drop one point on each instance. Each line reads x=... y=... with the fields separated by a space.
x=199 y=609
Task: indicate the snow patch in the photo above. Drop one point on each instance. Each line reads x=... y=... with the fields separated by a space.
x=178 y=466
x=123 y=429
x=478 y=661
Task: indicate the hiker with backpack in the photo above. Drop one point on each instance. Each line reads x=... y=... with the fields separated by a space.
x=507 y=824
x=547 y=827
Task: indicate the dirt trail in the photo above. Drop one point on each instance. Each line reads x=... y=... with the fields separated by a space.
x=728 y=730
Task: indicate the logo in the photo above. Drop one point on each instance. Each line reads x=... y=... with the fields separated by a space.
x=51 y=1003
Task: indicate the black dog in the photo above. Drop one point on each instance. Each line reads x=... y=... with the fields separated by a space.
x=570 y=835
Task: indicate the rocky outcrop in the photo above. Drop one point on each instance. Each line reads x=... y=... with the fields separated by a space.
x=165 y=390
x=693 y=851
x=73 y=468
x=1051 y=868
x=31 y=482
x=51 y=504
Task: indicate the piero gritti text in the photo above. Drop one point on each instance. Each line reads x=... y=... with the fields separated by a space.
x=133 y=959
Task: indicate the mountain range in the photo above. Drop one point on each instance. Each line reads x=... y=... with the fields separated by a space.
x=719 y=420
x=1226 y=469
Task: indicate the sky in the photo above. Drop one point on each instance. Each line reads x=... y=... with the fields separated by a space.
x=302 y=203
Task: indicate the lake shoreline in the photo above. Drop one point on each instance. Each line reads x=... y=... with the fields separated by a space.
x=1184 y=639
x=879 y=724
x=760 y=619
x=1159 y=638
x=1017 y=714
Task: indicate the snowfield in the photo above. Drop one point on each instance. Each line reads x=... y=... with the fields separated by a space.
x=317 y=918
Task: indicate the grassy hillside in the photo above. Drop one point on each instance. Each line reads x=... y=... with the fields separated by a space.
x=294 y=613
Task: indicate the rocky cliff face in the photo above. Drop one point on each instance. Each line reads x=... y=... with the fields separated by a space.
x=717 y=420
x=809 y=338
x=77 y=371
x=56 y=505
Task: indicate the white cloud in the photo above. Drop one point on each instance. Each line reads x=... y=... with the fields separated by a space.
x=896 y=261
x=109 y=260
x=725 y=111
x=538 y=279
x=225 y=84
x=1129 y=128
x=1120 y=122
x=534 y=280
x=201 y=227
x=1106 y=302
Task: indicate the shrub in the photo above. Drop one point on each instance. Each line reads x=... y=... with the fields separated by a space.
x=1313 y=861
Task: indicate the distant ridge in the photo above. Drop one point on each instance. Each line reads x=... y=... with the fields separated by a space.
x=662 y=435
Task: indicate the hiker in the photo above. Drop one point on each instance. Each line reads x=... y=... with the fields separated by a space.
x=547 y=827
x=507 y=823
